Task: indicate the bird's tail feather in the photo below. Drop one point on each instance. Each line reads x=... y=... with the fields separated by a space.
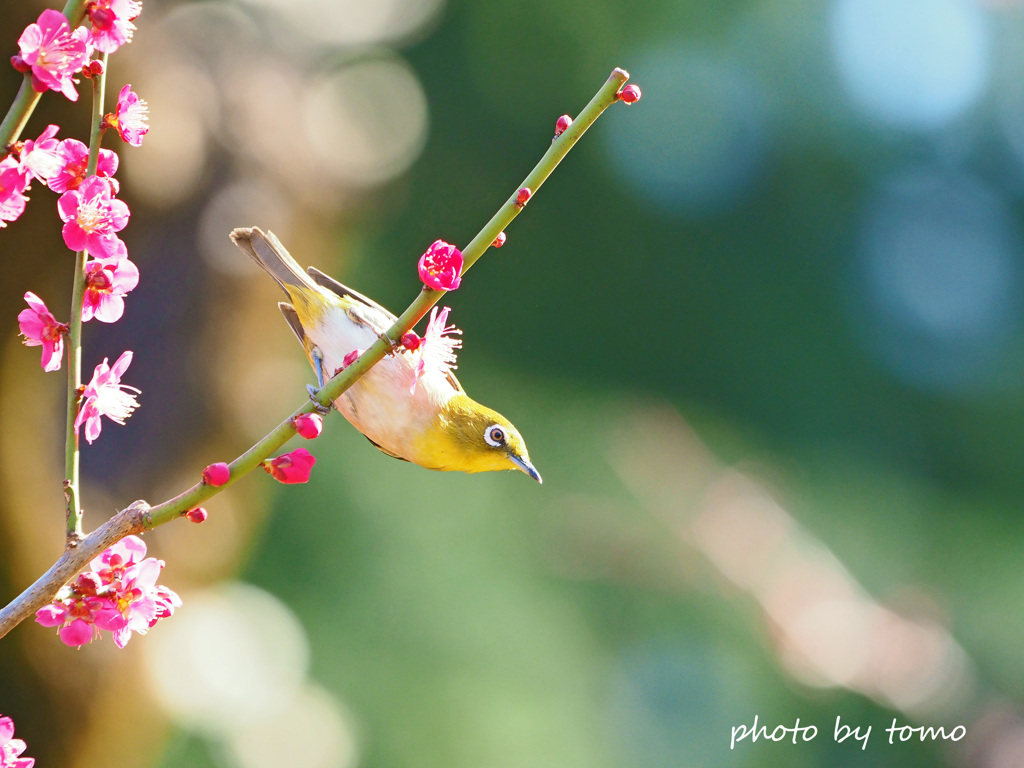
x=266 y=250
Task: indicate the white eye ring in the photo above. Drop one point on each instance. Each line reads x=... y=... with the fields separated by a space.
x=494 y=435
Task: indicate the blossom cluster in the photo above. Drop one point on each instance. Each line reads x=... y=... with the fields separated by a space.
x=119 y=594
x=51 y=53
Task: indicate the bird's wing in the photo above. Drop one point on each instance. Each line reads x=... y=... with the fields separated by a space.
x=371 y=313
x=385 y=451
x=293 y=320
x=365 y=309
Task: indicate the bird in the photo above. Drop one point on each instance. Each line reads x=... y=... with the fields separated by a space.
x=409 y=405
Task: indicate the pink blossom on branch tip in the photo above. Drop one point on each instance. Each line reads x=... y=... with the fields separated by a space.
x=293 y=467
x=107 y=282
x=131 y=118
x=11 y=748
x=91 y=218
x=40 y=328
x=74 y=160
x=440 y=267
x=106 y=396
x=54 y=53
x=436 y=353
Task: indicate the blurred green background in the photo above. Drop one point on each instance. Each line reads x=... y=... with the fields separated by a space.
x=762 y=332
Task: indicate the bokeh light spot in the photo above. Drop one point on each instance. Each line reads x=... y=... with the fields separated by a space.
x=697 y=141
x=937 y=259
x=914 y=64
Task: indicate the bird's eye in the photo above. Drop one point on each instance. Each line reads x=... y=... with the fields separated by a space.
x=494 y=435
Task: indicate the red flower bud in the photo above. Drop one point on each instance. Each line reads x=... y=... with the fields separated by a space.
x=411 y=341
x=499 y=240
x=562 y=124
x=19 y=63
x=629 y=94
x=197 y=515
x=523 y=196
x=217 y=474
x=96 y=67
x=309 y=425
x=293 y=467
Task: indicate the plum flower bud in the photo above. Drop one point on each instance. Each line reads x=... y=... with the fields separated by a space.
x=20 y=64
x=440 y=267
x=293 y=467
x=629 y=94
x=562 y=124
x=197 y=515
x=309 y=425
x=411 y=340
x=523 y=196
x=217 y=474
x=96 y=68
x=499 y=240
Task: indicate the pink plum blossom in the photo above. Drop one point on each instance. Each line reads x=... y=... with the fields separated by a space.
x=309 y=425
x=54 y=53
x=111 y=23
x=131 y=119
x=11 y=748
x=440 y=267
x=436 y=353
x=39 y=157
x=118 y=595
x=40 y=328
x=74 y=159
x=106 y=396
x=12 y=191
x=293 y=467
x=91 y=217
x=107 y=281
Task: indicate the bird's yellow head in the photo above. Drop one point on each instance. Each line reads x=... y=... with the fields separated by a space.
x=469 y=437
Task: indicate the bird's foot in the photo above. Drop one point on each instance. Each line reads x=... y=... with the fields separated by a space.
x=393 y=346
x=314 y=395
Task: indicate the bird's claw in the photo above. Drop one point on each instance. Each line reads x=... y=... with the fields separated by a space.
x=314 y=395
x=393 y=346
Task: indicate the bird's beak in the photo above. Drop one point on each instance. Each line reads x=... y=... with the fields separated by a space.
x=526 y=466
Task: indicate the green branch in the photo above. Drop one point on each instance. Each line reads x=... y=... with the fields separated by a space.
x=140 y=517
x=73 y=509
